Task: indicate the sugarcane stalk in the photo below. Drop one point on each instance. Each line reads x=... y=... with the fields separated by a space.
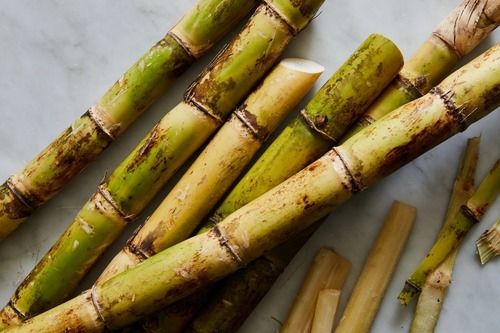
x=463 y=98
x=456 y=36
x=338 y=103
x=488 y=245
x=220 y=163
x=324 y=313
x=434 y=290
x=378 y=269
x=143 y=83
x=454 y=232
x=328 y=270
x=132 y=185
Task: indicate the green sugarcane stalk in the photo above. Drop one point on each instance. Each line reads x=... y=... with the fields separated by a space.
x=338 y=103
x=454 y=232
x=143 y=83
x=463 y=98
x=378 y=59
x=432 y=61
x=456 y=36
x=220 y=163
x=434 y=290
x=151 y=164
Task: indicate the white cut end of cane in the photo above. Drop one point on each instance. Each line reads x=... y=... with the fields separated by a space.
x=302 y=65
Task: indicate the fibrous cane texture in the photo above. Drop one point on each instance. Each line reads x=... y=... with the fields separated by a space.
x=488 y=245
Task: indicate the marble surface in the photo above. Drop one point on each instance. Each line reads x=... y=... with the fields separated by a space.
x=57 y=57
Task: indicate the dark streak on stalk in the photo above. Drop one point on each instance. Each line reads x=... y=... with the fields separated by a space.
x=250 y=122
x=224 y=242
x=313 y=125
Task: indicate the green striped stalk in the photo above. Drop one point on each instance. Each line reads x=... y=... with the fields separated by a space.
x=287 y=209
x=151 y=164
x=220 y=163
x=434 y=290
x=337 y=104
x=179 y=215
x=454 y=232
x=456 y=36
x=143 y=83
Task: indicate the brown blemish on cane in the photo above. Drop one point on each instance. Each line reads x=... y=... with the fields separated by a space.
x=306 y=203
x=306 y=8
x=491 y=98
x=407 y=87
x=420 y=83
x=75 y=148
x=250 y=121
x=154 y=138
x=422 y=139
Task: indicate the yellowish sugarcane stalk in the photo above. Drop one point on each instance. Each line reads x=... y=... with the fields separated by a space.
x=138 y=88
x=377 y=271
x=455 y=37
x=220 y=163
x=463 y=98
x=133 y=184
x=434 y=290
x=328 y=271
x=488 y=245
x=324 y=313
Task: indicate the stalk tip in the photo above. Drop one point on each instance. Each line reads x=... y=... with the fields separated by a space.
x=488 y=245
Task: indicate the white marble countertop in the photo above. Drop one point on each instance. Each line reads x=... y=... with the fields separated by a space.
x=57 y=57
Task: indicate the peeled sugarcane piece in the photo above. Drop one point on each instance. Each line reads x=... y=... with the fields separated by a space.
x=328 y=271
x=488 y=245
x=324 y=313
x=133 y=184
x=454 y=232
x=456 y=36
x=143 y=83
x=220 y=163
x=463 y=98
x=339 y=102
x=378 y=269
x=434 y=290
